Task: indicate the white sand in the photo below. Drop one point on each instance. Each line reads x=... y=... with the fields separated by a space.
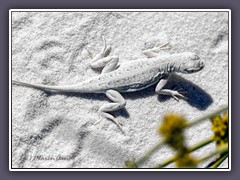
x=51 y=48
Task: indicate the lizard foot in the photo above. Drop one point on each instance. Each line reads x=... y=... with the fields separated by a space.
x=176 y=94
x=164 y=46
x=111 y=118
x=153 y=52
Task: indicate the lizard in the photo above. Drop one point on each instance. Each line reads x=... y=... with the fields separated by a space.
x=131 y=76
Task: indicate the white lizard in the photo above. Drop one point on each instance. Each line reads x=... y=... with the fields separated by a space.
x=129 y=77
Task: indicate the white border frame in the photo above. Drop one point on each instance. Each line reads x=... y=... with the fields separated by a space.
x=113 y=10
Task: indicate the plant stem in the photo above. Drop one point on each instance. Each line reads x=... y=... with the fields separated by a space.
x=225 y=108
x=220 y=150
x=149 y=153
x=193 y=148
x=219 y=160
x=201 y=144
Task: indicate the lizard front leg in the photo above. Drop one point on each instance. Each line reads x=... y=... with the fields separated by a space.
x=159 y=89
x=118 y=103
x=101 y=60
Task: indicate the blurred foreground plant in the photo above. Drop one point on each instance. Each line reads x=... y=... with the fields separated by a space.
x=172 y=130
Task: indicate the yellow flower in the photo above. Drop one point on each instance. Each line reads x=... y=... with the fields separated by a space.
x=185 y=161
x=220 y=128
x=172 y=130
x=131 y=164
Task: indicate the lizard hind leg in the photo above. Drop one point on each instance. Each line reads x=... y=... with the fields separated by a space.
x=118 y=103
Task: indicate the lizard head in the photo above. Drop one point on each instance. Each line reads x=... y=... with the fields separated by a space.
x=190 y=63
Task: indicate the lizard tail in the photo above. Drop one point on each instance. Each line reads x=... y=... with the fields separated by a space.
x=40 y=87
